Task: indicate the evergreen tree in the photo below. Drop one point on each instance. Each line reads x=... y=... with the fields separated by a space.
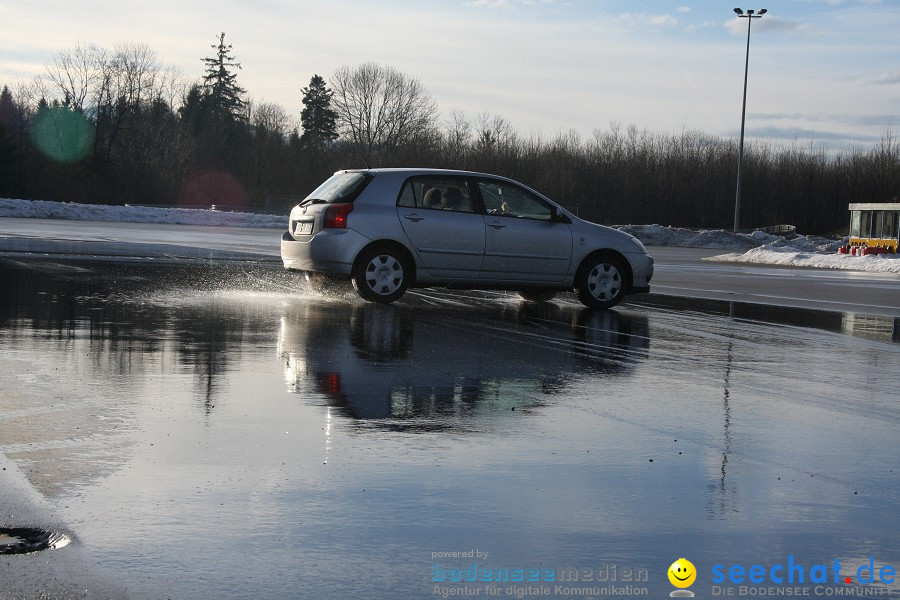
x=193 y=108
x=9 y=123
x=8 y=161
x=8 y=110
x=220 y=83
x=317 y=117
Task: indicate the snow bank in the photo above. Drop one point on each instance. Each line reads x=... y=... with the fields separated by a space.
x=821 y=256
x=657 y=235
x=40 y=209
x=763 y=248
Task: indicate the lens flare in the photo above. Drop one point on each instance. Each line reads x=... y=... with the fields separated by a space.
x=62 y=134
x=212 y=187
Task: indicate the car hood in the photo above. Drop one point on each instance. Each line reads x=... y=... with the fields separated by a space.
x=606 y=236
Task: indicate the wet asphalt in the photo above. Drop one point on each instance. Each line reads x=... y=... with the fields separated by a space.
x=203 y=429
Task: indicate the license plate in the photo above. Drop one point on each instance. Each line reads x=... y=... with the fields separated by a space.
x=303 y=228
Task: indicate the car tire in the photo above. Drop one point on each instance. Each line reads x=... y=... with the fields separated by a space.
x=601 y=281
x=538 y=295
x=381 y=274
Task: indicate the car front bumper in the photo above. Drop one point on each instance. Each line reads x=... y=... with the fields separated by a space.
x=641 y=271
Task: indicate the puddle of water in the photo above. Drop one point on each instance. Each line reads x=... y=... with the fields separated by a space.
x=876 y=327
x=232 y=437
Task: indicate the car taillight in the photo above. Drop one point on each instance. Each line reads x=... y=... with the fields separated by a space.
x=329 y=383
x=336 y=215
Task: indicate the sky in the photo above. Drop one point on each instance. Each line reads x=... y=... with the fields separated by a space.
x=822 y=72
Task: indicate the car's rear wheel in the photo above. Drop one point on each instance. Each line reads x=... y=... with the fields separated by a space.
x=538 y=295
x=601 y=281
x=381 y=275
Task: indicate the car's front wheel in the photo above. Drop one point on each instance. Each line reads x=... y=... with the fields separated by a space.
x=381 y=275
x=600 y=283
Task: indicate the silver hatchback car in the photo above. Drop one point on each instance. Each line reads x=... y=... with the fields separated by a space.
x=391 y=229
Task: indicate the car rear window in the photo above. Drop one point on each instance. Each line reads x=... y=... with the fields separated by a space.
x=341 y=187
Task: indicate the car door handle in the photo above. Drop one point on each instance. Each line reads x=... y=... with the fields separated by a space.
x=414 y=217
x=496 y=224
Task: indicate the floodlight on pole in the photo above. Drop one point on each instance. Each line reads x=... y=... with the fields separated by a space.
x=737 y=197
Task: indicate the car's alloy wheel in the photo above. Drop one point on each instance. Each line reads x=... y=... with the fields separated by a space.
x=380 y=275
x=601 y=282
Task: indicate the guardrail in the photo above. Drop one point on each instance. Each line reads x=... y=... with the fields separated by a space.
x=771 y=230
x=778 y=229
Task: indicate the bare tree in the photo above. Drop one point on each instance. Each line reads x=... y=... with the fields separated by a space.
x=493 y=133
x=270 y=118
x=75 y=73
x=379 y=108
x=496 y=147
x=109 y=88
x=458 y=136
x=171 y=88
x=138 y=73
x=128 y=82
x=266 y=161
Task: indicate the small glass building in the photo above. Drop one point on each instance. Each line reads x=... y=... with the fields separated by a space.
x=874 y=226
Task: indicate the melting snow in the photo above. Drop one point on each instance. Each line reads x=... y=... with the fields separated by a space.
x=41 y=209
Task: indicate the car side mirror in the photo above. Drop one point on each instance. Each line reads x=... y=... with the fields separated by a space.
x=556 y=216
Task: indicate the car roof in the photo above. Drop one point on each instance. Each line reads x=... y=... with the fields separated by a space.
x=409 y=172
x=425 y=171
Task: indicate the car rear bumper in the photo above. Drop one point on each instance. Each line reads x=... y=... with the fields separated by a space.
x=329 y=251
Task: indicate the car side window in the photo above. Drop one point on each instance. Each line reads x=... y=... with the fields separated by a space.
x=502 y=199
x=436 y=193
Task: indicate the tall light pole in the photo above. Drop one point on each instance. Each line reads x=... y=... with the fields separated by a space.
x=740 y=177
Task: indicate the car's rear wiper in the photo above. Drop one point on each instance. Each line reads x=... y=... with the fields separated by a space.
x=313 y=201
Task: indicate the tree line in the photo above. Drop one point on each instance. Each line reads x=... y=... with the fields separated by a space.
x=117 y=126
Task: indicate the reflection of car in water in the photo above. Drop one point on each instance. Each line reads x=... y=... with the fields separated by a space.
x=430 y=366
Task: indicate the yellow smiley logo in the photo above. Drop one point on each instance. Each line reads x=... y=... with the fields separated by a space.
x=682 y=573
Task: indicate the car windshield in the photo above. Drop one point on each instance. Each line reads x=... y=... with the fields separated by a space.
x=340 y=187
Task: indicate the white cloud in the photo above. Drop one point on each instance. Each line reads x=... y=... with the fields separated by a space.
x=643 y=19
x=888 y=79
x=684 y=9
x=3 y=9
x=505 y=3
x=699 y=26
x=489 y=3
x=663 y=20
x=738 y=26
